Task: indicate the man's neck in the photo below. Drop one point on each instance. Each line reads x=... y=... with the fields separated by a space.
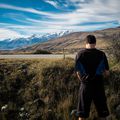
x=90 y=46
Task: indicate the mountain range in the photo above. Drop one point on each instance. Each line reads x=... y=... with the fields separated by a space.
x=68 y=41
x=74 y=41
x=10 y=44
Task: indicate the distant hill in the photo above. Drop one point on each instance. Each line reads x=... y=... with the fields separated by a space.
x=74 y=41
x=10 y=44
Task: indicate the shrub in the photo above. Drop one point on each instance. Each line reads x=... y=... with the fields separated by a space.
x=42 y=52
x=115 y=46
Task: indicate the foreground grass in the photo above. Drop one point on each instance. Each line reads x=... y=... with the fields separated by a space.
x=47 y=89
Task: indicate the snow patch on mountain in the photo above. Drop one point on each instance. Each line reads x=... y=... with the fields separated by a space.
x=9 y=44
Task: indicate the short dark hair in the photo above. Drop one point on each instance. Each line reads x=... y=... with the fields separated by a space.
x=91 y=39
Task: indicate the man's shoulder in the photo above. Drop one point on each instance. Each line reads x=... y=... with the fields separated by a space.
x=84 y=51
x=92 y=50
x=100 y=51
x=80 y=52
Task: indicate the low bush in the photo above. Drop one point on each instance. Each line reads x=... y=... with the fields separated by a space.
x=42 y=52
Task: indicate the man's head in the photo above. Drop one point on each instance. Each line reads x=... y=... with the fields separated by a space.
x=90 y=41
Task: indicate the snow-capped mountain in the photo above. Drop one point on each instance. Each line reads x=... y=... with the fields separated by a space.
x=10 y=44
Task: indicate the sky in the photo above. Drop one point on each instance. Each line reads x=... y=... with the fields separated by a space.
x=23 y=18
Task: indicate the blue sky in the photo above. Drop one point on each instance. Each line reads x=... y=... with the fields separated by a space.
x=22 y=18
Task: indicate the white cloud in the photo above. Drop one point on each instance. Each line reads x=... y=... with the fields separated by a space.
x=64 y=6
x=30 y=10
x=6 y=34
x=92 y=11
x=48 y=27
x=84 y=11
x=77 y=1
x=53 y=3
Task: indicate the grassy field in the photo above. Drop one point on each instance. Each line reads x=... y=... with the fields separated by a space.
x=47 y=89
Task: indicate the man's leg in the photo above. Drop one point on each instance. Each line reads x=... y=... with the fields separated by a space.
x=81 y=118
x=84 y=102
x=100 y=102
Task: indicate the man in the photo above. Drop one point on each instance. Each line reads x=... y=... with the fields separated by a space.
x=91 y=65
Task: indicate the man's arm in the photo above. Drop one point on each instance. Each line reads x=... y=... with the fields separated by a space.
x=106 y=73
x=77 y=66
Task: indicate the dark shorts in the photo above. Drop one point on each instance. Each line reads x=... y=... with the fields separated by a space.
x=88 y=92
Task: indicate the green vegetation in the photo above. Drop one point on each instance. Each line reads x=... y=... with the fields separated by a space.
x=45 y=89
x=42 y=52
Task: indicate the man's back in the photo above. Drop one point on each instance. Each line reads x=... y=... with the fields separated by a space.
x=91 y=60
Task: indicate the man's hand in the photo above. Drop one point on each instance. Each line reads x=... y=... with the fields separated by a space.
x=78 y=75
x=106 y=73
